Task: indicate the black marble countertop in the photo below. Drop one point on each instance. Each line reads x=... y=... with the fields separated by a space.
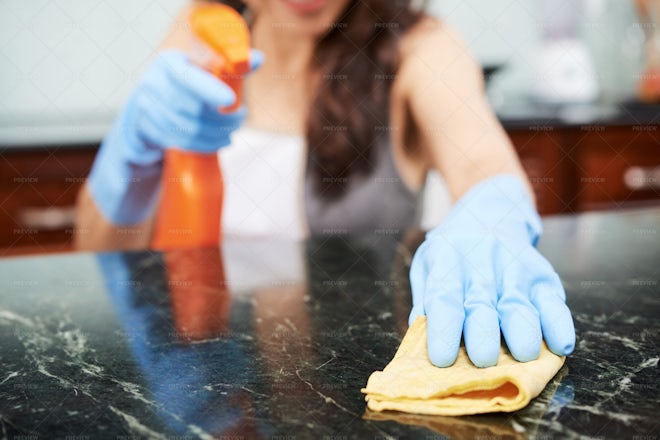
x=275 y=340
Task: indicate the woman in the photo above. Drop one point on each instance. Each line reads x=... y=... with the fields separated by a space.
x=382 y=94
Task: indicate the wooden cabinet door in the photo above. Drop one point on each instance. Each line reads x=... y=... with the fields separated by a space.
x=38 y=190
x=543 y=154
x=618 y=167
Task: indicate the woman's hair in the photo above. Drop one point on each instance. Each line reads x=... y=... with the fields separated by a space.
x=358 y=59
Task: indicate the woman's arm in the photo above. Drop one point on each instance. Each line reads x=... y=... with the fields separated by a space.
x=478 y=273
x=93 y=231
x=443 y=87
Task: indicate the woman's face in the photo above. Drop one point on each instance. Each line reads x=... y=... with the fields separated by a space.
x=309 y=18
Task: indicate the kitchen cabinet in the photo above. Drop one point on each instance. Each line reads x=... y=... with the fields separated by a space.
x=589 y=167
x=573 y=167
x=542 y=153
x=38 y=190
x=617 y=167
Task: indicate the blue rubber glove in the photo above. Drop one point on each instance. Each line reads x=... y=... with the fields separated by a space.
x=175 y=104
x=479 y=272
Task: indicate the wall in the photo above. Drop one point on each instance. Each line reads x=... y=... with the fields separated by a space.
x=69 y=64
x=498 y=32
x=509 y=32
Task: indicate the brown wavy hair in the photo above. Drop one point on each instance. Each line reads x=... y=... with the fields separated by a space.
x=358 y=58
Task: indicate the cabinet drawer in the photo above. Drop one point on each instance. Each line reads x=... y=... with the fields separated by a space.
x=541 y=152
x=38 y=190
x=618 y=167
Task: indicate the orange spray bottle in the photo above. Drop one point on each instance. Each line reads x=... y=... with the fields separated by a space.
x=190 y=211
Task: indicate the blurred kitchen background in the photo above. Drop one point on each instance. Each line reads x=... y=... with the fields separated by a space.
x=69 y=64
x=564 y=77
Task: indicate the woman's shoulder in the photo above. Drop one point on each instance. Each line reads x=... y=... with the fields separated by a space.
x=433 y=45
x=428 y=26
x=436 y=43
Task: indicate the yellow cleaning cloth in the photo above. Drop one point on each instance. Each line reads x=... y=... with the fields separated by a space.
x=411 y=384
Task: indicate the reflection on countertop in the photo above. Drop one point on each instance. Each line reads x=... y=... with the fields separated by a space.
x=261 y=339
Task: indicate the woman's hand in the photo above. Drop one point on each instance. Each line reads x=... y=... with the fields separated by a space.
x=175 y=104
x=178 y=104
x=479 y=273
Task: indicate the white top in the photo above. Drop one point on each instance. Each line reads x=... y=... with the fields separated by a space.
x=263 y=174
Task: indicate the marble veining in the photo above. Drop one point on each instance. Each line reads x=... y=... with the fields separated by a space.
x=192 y=344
